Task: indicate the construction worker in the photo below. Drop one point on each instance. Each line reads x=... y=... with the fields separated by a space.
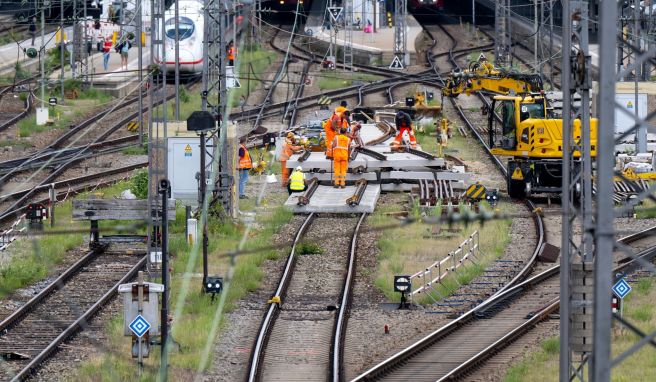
x=333 y=126
x=404 y=125
x=341 y=108
x=297 y=181
x=288 y=148
x=341 y=154
x=245 y=165
x=355 y=134
x=231 y=53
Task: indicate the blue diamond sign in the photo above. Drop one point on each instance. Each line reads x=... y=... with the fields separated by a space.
x=621 y=288
x=139 y=326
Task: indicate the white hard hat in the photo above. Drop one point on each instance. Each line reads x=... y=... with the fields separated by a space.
x=299 y=168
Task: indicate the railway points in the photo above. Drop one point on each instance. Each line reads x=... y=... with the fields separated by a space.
x=302 y=282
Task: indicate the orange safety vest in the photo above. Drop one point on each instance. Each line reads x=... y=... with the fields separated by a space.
x=341 y=147
x=287 y=150
x=337 y=122
x=245 y=162
x=231 y=53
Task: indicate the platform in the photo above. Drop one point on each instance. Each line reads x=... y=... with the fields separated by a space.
x=327 y=199
x=368 y=48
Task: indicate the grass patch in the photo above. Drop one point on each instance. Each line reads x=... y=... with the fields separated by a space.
x=135 y=150
x=420 y=246
x=15 y=144
x=337 y=80
x=640 y=366
x=309 y=248
x=62 y=116
x=33 y=258
x=190 y=330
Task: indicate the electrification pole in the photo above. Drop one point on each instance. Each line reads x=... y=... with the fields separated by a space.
x=176 y=10
x=400 y=33
x=139 y=33
x=62 y=49
x=43 y=56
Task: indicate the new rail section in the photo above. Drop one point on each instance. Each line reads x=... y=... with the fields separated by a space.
x=328 y=332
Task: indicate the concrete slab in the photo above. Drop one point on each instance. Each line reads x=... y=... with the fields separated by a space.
x=403 y=161
x=456 y=178
x=327 y=199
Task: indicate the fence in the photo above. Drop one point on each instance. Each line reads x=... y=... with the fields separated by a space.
x=439 y=270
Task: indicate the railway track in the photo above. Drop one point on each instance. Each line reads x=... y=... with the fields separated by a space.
x=458 y=348
x=35 y=331
x=301 y=336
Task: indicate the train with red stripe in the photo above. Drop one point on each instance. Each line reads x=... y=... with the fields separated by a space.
x=417 y=6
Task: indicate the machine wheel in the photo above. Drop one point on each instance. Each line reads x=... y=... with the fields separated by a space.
x=516 y=189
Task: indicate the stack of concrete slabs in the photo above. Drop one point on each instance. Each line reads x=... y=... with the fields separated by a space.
x=327 y=199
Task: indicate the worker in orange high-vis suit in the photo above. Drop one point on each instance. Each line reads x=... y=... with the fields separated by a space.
x=231 y=53
x=288 y=148
x=245 y=165
x=341 y=153
x=333 y=126
x=404 y=125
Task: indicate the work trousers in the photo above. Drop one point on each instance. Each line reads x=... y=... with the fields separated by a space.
x=399 y=136
x=330 y=136
x=341 y=165
x=285 y=173
x=243 y=179
x=106 y=61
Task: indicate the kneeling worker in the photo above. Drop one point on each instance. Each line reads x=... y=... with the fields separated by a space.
x=404 y=124
x=340 y=157
x=288 y=148
x=297 y=181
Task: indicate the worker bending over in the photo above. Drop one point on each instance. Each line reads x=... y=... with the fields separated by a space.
x=332 y=126
x=297 y=181
x=288 y=148
x=341 y=153
x=354 y=134
x=404 y=125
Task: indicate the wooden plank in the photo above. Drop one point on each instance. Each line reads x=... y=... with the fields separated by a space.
x=115 y=209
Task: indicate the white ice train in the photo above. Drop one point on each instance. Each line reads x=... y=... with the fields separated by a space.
x=190 y=33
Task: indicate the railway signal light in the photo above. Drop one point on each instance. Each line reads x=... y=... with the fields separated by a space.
x=213 y=285
x=409 y=101
x=403 y=285
x=201 y=121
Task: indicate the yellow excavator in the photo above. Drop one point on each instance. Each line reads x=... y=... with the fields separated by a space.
x=519 y=127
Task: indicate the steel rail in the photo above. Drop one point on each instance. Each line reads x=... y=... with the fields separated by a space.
x=28 y=107
x=337 y=349
x=274 y=308
x=78 y=325
x=74 y=181
x=476 y=360
x=57 y=284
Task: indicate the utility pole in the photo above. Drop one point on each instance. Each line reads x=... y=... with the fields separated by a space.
x=176 y=10
x=164 y=189
x=140 y=64
x=62 y=49
x=43 y=56
x=348 y=31
x=641 y=134
x=474 y=14
x=400 y=35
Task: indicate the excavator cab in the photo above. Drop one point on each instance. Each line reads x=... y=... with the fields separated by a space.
x=508 y=113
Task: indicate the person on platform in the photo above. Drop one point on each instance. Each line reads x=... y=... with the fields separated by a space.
x=341 y=154
x=404 y=125
x=245 y=165
x=32 y=29
x=288 y=148
x=297 y=181
x=124 y=48
x=107 y=49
